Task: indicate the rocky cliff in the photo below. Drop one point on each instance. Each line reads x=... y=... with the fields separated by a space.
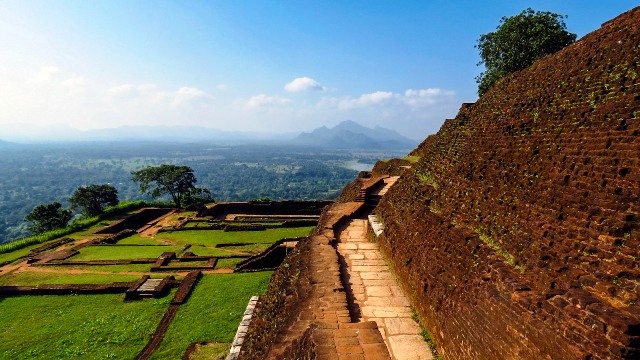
x=517 y=231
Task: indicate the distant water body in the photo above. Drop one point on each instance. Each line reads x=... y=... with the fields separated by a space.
x=358 y=166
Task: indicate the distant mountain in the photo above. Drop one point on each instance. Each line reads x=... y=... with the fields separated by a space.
x=351 y=135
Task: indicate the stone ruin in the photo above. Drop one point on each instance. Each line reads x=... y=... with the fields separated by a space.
x=516 y=233
x=518 y=230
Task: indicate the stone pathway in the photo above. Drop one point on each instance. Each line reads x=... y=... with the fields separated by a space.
x=388 y=182
x=377 y=296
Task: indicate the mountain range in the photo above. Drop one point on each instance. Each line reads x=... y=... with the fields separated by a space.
x=351 y=135
x=346 y=135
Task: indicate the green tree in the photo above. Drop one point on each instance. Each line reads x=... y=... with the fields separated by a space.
x=48 y=217
x=518 y=42
x=196 y=199
x=92 y=199
x=177 y=181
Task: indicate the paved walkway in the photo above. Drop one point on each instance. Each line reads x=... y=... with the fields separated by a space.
x=377 y=296
x=388 y=182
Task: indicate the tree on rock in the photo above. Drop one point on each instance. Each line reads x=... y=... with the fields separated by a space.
x=92 y=199
x=518 y=42
x=177 y=181
x=48 y=217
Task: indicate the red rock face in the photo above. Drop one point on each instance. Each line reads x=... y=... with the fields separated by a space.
x=518 y=231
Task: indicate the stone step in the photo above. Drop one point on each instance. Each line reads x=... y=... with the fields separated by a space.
x=149 y=285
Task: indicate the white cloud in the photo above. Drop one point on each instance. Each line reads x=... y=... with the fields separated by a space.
x=424 y=97
x=263 y=100
x=368 y=99
x=188 y=96
x=151 y=97
x=73 y=82
x=410 y=98
x=121 y=90
x=46 y=74
x=130 y=90
x=303 y=84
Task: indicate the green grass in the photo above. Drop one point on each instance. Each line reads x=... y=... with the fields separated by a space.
x=214 y=351
x=122 y=252
x=77 y=327
x=412 y=158
x=213 y=237
x=213 y=312
x=136 y=239
x=249 y=248
x=11 y=256
x=105 y=268
x=227 y=263
x=38 y=278
x=207 y=251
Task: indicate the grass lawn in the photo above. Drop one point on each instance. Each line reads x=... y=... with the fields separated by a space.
x=213 y=351
x=213 y=237
x=136 y=239
x=109 y=268
x=122 y=252
x=213 y=312
x=207 y=251
x=11 y=256
x=77 y=327
x=249 y=248
x=227 y=263
x=38 y=278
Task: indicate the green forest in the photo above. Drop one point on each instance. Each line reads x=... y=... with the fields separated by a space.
x=36 y=174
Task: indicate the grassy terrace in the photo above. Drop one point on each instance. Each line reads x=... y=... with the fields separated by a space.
x=107 y=327
x=214 y=237
x=122 y=252
x=136 y=268
x=212 y=313
x=136 y=239
x=38 y=278
x=77 y=327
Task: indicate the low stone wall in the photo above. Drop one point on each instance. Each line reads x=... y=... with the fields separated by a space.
x=269 y=259
x=135 y=220
x=186 y=286
x=65 y=289
x=267 y=208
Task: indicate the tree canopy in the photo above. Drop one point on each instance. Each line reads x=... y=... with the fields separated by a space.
x=177 y=181
x=518 y=42
x=47 y=217
x=92 y=199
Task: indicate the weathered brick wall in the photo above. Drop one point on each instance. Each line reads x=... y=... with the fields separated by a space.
x=518 y=230
x=391 y=167
x=268 y=208
x=134 y=221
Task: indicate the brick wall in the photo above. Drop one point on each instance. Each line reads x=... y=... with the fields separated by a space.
x=518 y=230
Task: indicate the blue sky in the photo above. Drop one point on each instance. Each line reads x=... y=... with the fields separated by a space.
x=266 y=66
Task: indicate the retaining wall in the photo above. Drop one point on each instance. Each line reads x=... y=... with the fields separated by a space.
x=518 y=231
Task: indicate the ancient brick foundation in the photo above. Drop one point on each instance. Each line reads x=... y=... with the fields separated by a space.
x=267 y=208
x=134 y=221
